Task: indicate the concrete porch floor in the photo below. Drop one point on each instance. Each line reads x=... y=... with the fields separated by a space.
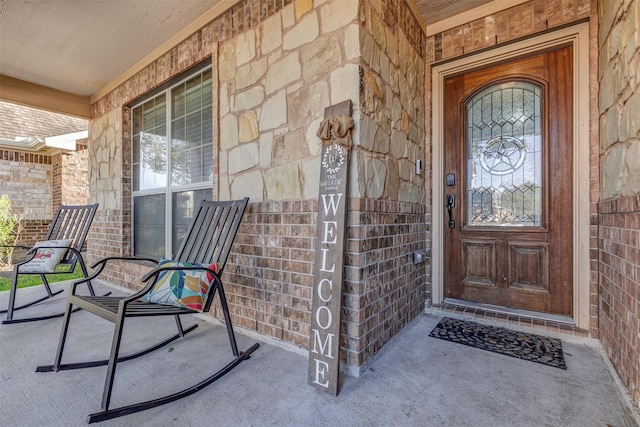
x=415 y=381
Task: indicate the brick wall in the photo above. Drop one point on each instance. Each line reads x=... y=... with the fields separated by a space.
x=70 y=178
x=270 y=270
x=510 y=24
x=619 y=208
x=620 y=288
x=56 y=180
x=384 y=290
x=33 y=231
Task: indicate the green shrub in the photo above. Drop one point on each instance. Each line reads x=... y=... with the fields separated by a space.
x=8 y=225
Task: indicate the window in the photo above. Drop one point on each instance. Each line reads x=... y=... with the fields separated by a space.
x=172 y=163
x=504 y=156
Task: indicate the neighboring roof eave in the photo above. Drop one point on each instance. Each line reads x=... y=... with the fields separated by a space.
x=49 y=145
x=67 y=141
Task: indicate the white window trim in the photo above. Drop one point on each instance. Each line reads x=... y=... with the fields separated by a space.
x=167 y=190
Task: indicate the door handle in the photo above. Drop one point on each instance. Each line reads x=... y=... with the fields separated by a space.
x=451 y=203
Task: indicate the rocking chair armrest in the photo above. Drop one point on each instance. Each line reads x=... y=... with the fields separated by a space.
x=100 y=265
x=104 y=261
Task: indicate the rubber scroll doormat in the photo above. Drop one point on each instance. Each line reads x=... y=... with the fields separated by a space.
x=535 y=348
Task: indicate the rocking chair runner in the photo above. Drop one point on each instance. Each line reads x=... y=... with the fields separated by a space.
x=70 y=223
x=207 y=245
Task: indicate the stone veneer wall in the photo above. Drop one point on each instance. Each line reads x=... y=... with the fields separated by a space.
x=37 y=184
x=109 y=186
x=279 y=64
x=70 y=184
x=74 y=187
x=384 y=289
x=619 y=208
x=27 y=179
x=529 y=19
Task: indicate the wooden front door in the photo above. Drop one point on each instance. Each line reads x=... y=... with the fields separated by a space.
x=508 y=184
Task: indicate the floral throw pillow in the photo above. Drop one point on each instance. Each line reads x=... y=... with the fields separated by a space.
x=47 y=257
x=182 y=288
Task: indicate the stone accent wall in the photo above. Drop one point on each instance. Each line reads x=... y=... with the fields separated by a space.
x=28 y=185
x=384 y=289
x=74 y=188
x=619 y=233
x=392 y=130
x=37 y=184
x=275 y=82
x=619 y=98
x=107 y=175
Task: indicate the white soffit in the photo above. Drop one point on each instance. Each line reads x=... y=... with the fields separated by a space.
x=78 y=46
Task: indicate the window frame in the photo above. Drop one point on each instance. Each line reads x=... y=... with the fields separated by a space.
x=169 y=189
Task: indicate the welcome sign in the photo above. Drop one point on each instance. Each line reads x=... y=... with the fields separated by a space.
x=324 y=341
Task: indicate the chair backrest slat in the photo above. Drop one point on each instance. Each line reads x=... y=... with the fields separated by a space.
x=232 y=223
x=72 y=222
x=212 y=232
x=220 y=233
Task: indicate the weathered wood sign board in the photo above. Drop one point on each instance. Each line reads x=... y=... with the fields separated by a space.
x=324 y=340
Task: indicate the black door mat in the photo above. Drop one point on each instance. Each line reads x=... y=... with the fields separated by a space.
x=535 y=348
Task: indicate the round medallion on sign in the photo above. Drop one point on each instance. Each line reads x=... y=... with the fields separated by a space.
x=503 y=155
x=333 y=158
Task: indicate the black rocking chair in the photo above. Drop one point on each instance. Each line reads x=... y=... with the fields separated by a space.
x=69 y=222
x=206 y=244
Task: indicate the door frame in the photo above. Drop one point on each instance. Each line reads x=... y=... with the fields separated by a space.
x=578 y=37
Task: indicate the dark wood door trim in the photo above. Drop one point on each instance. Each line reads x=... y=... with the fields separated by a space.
x=578 y=36
x=483 y=264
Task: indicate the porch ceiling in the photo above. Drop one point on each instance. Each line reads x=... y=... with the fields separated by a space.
x=77 y=47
